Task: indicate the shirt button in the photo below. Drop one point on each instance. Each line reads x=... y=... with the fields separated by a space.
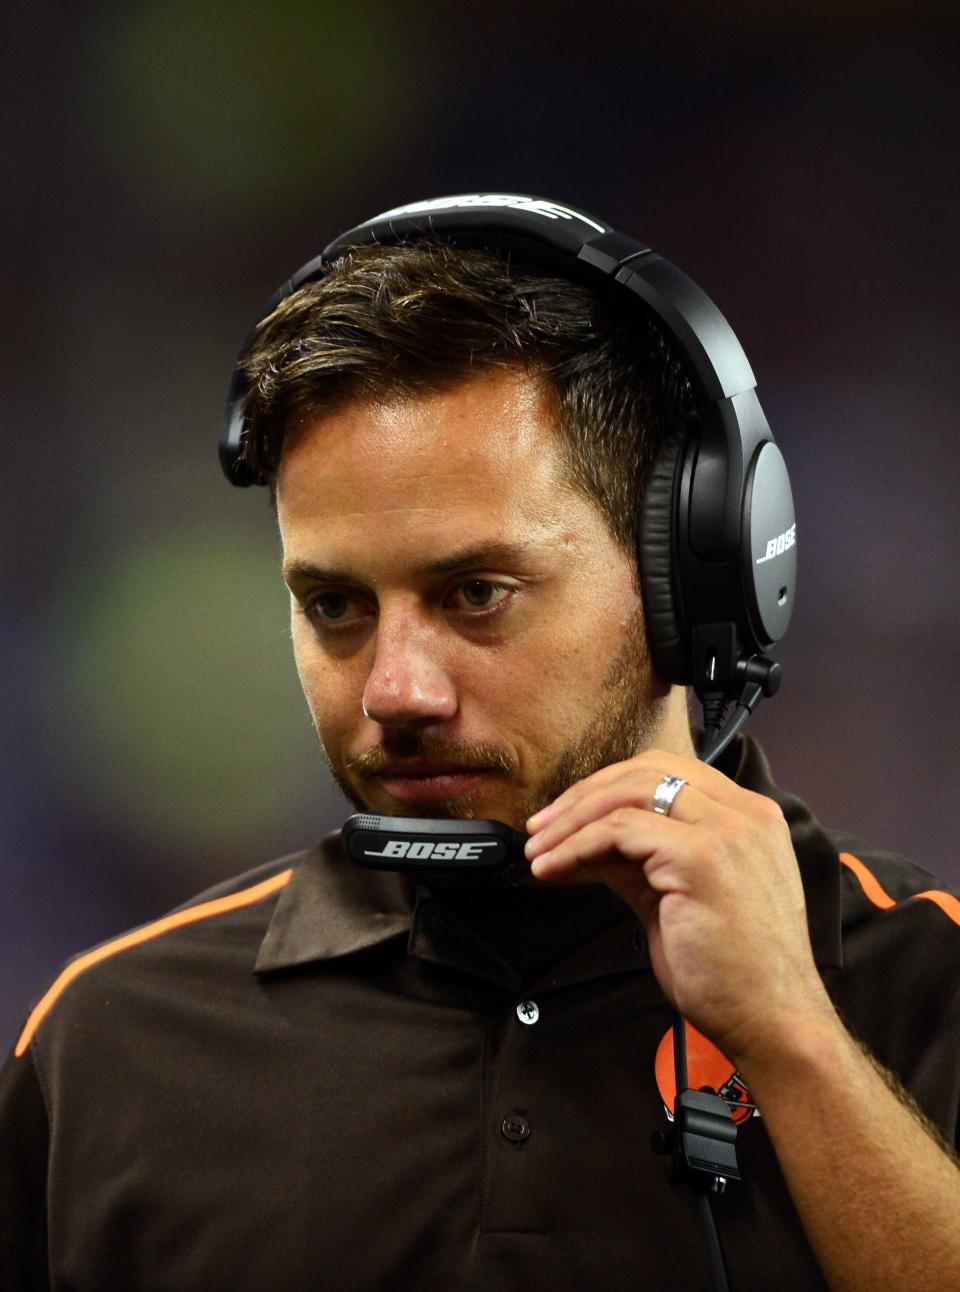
x=528 y=1011
x=515 y=1128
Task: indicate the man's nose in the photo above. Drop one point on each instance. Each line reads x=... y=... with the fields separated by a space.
x=408 y=684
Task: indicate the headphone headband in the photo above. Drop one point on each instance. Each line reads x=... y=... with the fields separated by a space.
x=559 y=239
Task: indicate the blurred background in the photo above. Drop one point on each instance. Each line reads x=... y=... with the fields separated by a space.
x=168 y=164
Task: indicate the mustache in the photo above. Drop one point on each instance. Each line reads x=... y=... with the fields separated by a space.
x=373 y=761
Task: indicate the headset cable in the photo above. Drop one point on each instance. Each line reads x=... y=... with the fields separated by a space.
x=702 y=1138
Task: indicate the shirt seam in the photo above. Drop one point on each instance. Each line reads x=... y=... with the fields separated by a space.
x=43 y=1082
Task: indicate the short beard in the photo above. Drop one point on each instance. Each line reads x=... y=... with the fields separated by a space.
x=632 y=710
x=630 y=713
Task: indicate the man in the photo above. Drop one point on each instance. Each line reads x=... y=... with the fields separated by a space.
x=322 y=1076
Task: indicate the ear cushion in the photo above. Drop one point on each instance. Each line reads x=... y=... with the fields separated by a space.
x=667 y=647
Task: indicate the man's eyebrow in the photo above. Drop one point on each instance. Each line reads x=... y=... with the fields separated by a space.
x=477 y=556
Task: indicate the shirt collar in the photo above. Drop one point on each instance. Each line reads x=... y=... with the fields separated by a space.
x=331 y=908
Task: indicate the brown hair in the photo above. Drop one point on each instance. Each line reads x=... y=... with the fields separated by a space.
x=417 y=318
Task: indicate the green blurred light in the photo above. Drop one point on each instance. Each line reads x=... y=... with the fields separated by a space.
x=175 y=708
x=250 y=105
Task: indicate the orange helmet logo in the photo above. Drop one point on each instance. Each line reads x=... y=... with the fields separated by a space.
x=707 y=1068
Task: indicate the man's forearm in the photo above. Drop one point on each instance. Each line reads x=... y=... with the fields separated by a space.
x=878 y=1195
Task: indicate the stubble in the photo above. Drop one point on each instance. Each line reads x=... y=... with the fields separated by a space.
x=630 y=712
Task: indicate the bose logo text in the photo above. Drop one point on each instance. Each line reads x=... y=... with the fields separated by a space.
x=420 y=850
x=777 y=546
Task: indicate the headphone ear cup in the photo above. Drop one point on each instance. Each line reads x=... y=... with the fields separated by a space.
x=656 y=557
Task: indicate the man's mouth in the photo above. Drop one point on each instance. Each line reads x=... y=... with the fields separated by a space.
x=410 y=773
x=423 y=779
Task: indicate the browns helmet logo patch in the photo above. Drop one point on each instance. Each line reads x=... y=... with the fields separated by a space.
x=707 y=1068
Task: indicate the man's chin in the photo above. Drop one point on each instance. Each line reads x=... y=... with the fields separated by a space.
x=473 y=805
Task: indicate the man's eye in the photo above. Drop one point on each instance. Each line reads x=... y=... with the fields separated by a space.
x=331 y=608
x=481 y=594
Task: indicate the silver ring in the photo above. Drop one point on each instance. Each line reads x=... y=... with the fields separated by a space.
x=666 y=792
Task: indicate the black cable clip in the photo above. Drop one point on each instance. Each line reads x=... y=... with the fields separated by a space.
x=705 y=1148
x=703 y=1141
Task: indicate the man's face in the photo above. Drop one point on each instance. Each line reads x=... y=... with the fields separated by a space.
x=467 y=632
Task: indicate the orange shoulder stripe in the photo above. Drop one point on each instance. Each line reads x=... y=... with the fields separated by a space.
x=946 y=901
x=218 y=906
x=880 y=897
x=868 y=881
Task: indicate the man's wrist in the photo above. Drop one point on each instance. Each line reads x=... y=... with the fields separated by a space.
x=796 y=1049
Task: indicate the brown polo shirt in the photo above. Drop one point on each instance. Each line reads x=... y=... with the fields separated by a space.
x=318 y=1077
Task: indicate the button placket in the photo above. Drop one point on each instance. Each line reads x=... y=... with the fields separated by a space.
x=515 y=1127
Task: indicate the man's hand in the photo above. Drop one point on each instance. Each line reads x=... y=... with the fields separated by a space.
x=715 y=884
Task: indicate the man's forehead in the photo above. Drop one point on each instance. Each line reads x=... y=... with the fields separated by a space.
x=488 y=424
x=479 y=463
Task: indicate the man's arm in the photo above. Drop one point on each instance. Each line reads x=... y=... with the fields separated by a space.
x=24 y=1139
x=718 y=889
x=877 y=1192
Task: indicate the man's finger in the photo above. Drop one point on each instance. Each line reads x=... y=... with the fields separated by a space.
x=633 y=789
x=652 y=765
x=626 y=834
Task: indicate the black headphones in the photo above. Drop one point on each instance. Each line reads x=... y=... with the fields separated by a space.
x=718 y=535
